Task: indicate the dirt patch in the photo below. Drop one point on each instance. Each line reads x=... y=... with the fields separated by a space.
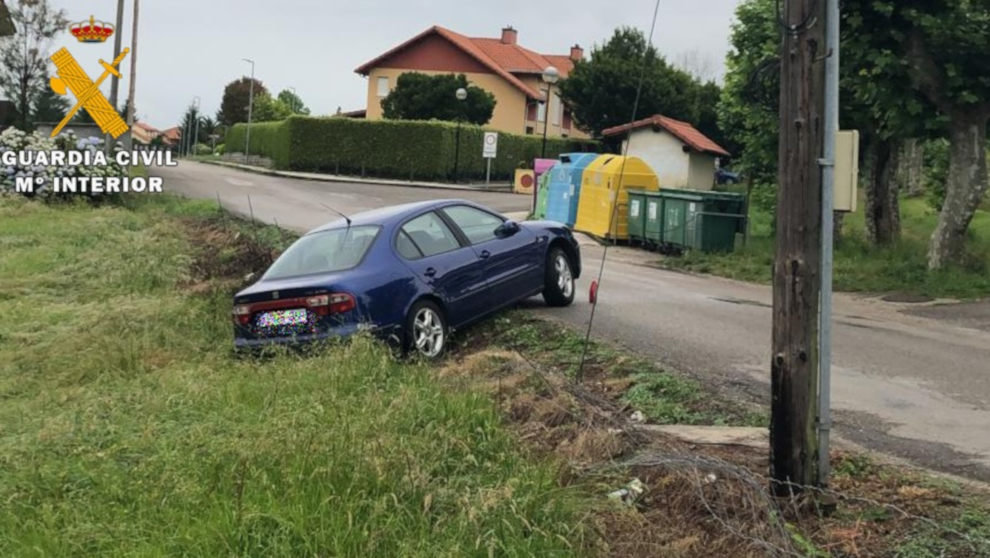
x=706 y=500
x=224 y=255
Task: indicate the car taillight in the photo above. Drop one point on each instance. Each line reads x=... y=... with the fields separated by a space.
x=336 y=303
x=242 y=314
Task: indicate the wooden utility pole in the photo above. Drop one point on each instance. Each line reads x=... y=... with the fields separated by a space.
x=794 y=369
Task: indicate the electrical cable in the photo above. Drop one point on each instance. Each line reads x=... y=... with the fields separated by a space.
x=622 y=170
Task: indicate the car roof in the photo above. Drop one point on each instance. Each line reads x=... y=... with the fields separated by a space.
x=389 y=215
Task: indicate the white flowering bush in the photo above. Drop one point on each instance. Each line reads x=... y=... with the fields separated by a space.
x=16 y=140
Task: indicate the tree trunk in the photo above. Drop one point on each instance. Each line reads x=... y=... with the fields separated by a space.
x=883 y=218
x=910 y=167
x=967 y=183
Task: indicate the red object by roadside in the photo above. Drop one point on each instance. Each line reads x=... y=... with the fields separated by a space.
x=593 y=292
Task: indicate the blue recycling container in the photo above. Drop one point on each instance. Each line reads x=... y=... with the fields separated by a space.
x=564 y=187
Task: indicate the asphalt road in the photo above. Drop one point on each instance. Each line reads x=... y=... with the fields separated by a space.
x=913 y=382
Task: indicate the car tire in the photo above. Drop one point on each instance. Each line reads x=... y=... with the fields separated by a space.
x=426 y=330
x=558 y=286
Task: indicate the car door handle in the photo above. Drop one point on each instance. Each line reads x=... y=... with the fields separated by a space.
x=485 y=254
x=430 y=272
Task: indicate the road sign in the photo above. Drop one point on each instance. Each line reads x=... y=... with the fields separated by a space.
x=490 y=145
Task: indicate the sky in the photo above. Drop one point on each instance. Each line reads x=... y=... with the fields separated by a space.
x=192 y=48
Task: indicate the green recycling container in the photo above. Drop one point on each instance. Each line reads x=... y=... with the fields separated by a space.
x=541 y=195
x=706 y=221
x=727 y=203
x=637 y=214
x=680 y=217
x=653 y=222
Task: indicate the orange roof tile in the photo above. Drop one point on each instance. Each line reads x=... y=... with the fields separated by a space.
x=679 y=129
x=503 y=59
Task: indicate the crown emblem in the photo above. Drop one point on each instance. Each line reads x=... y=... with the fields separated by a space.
x=91 y=31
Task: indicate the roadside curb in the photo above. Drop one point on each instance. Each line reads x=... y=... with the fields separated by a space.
x=357 y=180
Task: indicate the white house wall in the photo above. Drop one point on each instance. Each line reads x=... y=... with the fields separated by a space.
x=702 y=171
x=665 y=155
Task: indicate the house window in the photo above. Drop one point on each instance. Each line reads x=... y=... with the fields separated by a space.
x=541 y=112
x=529 y=130
x=383 y=86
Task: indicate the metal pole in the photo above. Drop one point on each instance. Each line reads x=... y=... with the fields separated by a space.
x=543 y=150
x=131 y=81
x=457 y=148
x=247 y=137
x=828 y=225
x=488 y=172
x=195 y=138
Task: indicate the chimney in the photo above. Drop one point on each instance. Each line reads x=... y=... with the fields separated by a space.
x=577 y=53
x=509 y=35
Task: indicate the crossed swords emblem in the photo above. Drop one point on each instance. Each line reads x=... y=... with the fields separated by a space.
x=87 y=92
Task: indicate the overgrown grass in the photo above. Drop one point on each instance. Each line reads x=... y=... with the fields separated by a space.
x=127 y=427
x=862 y=267
x=662 y=396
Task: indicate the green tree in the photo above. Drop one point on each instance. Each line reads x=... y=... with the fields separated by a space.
x=234 y=105
x=601 y=91
x=24 y=58
x=49 y=106
x=268 y=108
x=929 y=64
x=293 y=101
x=422 y=97
x=748 y=107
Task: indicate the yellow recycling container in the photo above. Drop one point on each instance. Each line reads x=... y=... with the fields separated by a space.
x=603 y=209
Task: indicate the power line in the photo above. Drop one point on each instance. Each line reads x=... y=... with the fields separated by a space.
x=622 y=170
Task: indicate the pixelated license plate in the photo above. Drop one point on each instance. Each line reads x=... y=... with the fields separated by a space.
x=283 y=318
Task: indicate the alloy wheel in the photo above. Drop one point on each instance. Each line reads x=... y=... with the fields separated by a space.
x=565 y=281
x=428 y=334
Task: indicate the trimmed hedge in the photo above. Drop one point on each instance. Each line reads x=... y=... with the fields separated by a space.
x=412 y=150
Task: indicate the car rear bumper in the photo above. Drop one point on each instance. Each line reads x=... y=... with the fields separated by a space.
x=339 y=332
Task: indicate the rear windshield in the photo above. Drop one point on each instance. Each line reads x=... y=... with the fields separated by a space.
x=324 y=252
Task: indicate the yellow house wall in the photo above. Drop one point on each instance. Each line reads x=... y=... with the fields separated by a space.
x=510 y=103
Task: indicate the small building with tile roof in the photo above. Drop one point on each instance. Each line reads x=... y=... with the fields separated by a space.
x=512 y=73
x=681 y=156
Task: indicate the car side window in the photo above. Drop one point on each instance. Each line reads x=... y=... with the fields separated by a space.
x=477 y=225
x=406 y=247
x=429 y=234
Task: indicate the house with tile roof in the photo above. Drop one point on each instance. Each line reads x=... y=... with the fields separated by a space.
x=681 y=156
x=499 y=65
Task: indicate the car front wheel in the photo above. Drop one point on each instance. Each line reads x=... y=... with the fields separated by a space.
x=558 y=287
x=426 y=330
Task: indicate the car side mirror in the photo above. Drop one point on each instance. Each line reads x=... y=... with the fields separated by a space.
x=507 y=229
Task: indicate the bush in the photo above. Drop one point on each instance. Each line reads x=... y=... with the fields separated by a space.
x=13 y=139
x=391 y=148
x=220 y=149
x=203 y=149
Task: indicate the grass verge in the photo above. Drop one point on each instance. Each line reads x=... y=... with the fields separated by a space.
x=128 y=428
x=862 y=267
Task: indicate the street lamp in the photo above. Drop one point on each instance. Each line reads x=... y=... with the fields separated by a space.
x=247 y=138
x=461 y=95
x=550 y=76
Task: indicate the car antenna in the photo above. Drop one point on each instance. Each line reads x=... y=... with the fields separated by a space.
x=346 y=218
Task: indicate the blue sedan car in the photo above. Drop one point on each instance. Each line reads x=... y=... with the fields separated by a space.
x=411 y=273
